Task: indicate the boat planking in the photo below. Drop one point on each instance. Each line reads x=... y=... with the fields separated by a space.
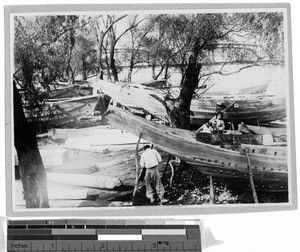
x=268 y=163
x=258 y=89
x=246 y=134
x=251 y=109
x=60 y=112
x=232 y=141
x=69 y=91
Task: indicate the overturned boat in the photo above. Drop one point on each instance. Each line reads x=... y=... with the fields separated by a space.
x=268 y=163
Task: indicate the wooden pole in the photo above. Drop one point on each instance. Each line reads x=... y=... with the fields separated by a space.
x=251 y=178
x=169 y=158
x=172 y=175
x=136 y=169
x=212 y=190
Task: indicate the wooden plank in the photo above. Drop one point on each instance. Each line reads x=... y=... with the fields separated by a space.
x=90 y=181
x=251 y=178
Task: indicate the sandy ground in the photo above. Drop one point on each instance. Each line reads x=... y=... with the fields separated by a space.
x=95 y=151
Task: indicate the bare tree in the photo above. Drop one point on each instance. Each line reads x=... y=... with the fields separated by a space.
x=102 y=26
x=113 y=40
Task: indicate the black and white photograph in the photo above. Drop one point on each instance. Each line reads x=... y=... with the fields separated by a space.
x=150 y=109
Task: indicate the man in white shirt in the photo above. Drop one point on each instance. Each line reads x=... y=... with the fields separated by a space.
x=149 y=160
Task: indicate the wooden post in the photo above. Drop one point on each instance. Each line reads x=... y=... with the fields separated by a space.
x=163 y=176
x=172 y=175
x=136 y=168
x=212 y=190
x=251 y=178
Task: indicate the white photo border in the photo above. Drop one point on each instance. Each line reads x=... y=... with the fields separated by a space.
x=149 y=210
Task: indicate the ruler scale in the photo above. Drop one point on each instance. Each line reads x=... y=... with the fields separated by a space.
x=103 y=235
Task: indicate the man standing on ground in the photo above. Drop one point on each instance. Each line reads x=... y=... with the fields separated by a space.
x=149 y=160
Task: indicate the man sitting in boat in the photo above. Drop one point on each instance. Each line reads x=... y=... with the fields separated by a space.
x=218 y=123
x=205 y=128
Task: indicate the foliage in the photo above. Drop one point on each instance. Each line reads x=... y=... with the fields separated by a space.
x=222 y=39
x=52 y=48
x=133 y=50
x=41 y=46
x=85 y=56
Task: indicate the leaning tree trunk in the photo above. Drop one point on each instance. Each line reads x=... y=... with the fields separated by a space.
x=100 y=41
x=167 y=71
x=84 y=68
x=32 y=171
x=70 y=75
x=180 y=112
x=131 y=65
x=154 y=75
x=112 y=59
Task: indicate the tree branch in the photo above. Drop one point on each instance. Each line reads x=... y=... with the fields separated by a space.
x=234 y=72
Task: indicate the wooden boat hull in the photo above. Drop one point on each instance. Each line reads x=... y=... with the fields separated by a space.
x=259 y=89
x=253 y=110
x=228 y=139
x=65 y=92
x=138 y=100
x=246 y=134
x=269 y=164
x=279 y=134
x=65 y=111
x=250 y=109
x=69 y=92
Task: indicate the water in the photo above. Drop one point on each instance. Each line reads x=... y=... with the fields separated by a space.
x=275 y=76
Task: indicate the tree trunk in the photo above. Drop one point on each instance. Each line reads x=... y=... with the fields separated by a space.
x=131 y=65
x=27 y=71
x=167 y=71
x=70 y=75
x=107 y=66
x=182 y=75
x=154 y=75
x=153 y=71
x=180 y=113
x=112 y=59
x=114 y=70
x=69 y=70
x=84 y=68
x=99 y=54
x=32 y=171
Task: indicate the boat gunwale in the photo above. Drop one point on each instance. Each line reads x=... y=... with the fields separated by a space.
x=74 y=99
x=194 y=141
